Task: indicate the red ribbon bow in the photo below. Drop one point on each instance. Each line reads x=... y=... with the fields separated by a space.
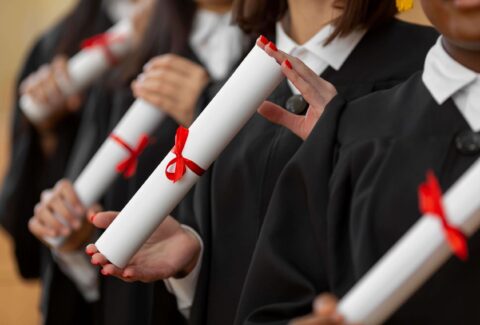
x=128 y=166
x=103 y=41
x=181 y=163
x=430 y=199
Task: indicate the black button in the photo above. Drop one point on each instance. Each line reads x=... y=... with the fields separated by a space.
x=468 y=142
x=296 y=104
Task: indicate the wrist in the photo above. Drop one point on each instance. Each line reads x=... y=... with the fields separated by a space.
x=196 y=252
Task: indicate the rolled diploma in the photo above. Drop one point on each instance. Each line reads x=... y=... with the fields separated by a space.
x=415 y=257
x=83 y=69
x=100 y=172
x=253 y=81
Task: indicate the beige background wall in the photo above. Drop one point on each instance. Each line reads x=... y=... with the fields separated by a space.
x=20 y=23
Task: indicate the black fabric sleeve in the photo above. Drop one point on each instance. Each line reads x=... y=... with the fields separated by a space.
x=289 y=265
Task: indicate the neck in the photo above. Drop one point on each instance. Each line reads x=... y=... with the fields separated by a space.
x=217 y=8
x=469 y=58
x=307 y=17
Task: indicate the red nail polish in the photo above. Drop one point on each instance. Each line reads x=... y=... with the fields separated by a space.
x=288 y=64
x=263 y=39
x=272 y=46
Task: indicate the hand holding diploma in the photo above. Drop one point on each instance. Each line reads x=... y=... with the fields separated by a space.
x=59 y=213
x=44 y=88
x=171 y=251
x=195 y=150
x=316 y=91
x=420 y=252
x=174 y=84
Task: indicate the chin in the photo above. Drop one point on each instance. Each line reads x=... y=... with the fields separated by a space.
x=465 y=32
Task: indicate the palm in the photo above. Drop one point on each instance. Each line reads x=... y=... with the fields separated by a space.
x=166 y=253
x=170 y=250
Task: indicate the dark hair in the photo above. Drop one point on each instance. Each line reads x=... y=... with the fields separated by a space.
x=167 y=31
x=260 y=16
x=80 y=23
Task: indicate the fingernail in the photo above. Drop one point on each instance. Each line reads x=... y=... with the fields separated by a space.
x=88 y=253
x=272 y=46
x=146 y=66
x=94 y=262
x=105 y=273
x=140 y=78
x=263 y=39
x=288 y=64
x=92 y=217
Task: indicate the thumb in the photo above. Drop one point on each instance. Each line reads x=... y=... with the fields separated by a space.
x=278 y=115
x=103 y=219
x=325 y=305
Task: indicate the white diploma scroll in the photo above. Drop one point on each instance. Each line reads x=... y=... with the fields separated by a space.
x=415 y=257
x=141 y=118
x=253 y=81
x=84 y=68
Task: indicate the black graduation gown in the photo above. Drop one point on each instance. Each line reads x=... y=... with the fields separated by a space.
x=30 y=171
x=348 y=195
x=230 y=203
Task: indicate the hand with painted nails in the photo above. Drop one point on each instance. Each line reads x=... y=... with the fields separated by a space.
x=324 y=313
x=315 y=90
x=173 y=84
x=172 y=251
x=60 y=213
x=44 y=87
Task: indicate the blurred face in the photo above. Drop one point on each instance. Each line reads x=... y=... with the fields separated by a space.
x=219 y=6
x=457 y=20
x=214 y=2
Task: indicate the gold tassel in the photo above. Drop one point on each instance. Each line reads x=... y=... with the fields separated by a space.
x=404 y=5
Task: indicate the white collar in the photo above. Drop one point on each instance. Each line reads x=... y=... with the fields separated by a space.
x=118 y=9
x=216 y=42
x=334 y=54
x=443 y=76
x=206 y=22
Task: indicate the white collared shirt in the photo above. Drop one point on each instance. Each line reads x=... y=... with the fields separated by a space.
x=314 y=53
x=446 y=78
x=217 y=43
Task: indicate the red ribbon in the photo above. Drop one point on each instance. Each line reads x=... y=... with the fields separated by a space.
x=430 y=199
x=128 y=166
x=103 y=41
x=181 y=163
